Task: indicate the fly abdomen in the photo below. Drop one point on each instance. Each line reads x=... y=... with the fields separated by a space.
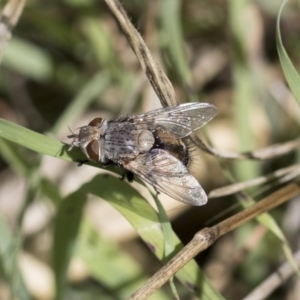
x=165 y=140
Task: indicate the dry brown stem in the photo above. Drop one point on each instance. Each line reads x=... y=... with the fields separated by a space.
x=207 y=236
x=261 y=154
x=159 y=81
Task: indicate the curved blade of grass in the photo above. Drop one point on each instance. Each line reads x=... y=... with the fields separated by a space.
x=139 y=213
x=10 y=152
x=14 y=158
x=99 y=37
x=290 y=73
x=8 y=265
x=146 y=221
x=293 y=79
x=38 y=142
x=243 y=88
x=173 y=39
x=169 y=245
x=28 y=169
x=28 y=59
x=117 y=271
x=65 y=232
x=9 y=17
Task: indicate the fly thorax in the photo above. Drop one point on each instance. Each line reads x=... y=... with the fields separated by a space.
x=145 y=141
x=120 y=141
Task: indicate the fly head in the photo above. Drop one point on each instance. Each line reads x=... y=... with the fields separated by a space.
x=88 y=139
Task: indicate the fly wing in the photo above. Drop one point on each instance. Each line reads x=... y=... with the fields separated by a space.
x=181 y=120
x=168 y=175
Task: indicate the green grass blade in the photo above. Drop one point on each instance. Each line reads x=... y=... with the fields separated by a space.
x=168 y=238
x=10 y=152
x=66 y=228
x=173 y=36
x=293 y=79
x=147 y=223
x=117 y=271
x=290 y=73
x=28 y=59
x=38 y=142
x=243 y=88
x=8 y=264
x=100 y=40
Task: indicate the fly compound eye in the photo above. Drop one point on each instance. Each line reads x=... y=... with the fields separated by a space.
x=96 y=122
x=93 y=150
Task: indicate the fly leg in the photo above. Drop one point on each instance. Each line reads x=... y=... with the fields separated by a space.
x=129 y=175
x=104 y=165
x=81 y=162
x=107 y=164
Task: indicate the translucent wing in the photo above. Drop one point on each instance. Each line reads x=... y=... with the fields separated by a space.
x=181 y=120
x=168 y=175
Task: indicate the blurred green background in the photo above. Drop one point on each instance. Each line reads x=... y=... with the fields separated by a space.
x=67 y=62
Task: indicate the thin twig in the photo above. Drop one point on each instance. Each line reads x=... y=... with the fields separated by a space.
x=159 y=81
x=240 y=186
x=274 y=280
x=261 y=154
x=207 y=236
x=8 y=20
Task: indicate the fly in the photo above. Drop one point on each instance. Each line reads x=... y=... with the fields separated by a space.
x=151 y=146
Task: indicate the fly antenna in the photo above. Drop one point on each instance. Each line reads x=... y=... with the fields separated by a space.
x=73 y=135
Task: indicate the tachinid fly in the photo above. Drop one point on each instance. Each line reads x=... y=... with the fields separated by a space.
x=151 y=146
